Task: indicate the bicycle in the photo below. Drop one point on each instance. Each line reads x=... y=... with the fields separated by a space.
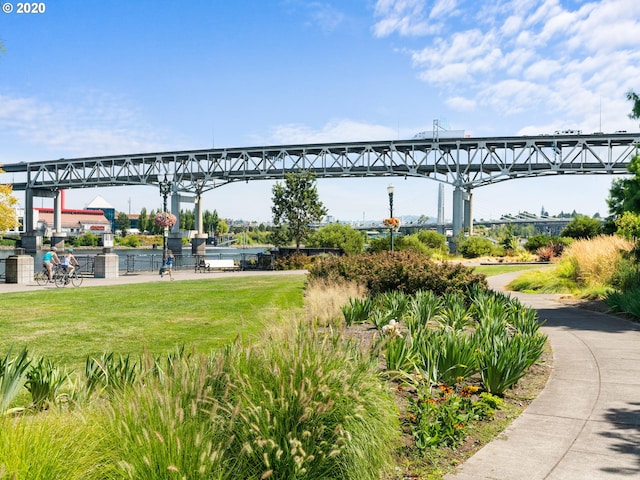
x=62 y=279
x=42 y=277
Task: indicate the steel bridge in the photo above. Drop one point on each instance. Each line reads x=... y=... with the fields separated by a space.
x=464 y=163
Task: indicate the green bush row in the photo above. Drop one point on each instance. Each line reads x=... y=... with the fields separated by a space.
x=406 y=271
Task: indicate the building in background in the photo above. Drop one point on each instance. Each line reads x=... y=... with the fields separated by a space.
x=75 y=222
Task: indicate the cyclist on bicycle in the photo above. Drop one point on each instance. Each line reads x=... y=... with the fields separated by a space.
x=49 y=260
x=68 y=261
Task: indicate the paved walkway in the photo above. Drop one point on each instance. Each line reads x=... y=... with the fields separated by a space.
x=142 y=277
x=585 y=424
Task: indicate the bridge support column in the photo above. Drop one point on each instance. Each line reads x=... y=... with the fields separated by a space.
x=29 y=240
x=175 y=238
x=468 y=212
x=199 y=242
x=198 y=214
x=57 y=240
x=458 y=210
x=57 y=213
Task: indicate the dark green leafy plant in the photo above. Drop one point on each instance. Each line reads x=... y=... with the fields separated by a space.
x=44 y=381
x=13 y=376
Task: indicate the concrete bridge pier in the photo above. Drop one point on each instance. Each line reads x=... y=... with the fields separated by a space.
x=458 y=210
x=199 y=243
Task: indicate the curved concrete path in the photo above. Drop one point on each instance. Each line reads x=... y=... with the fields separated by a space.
x=585 y=424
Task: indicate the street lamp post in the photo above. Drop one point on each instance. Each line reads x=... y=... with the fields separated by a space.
x=390 y=192
x=165 y=189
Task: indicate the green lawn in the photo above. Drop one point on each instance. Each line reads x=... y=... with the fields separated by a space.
x=490 y=270
x=66 y=325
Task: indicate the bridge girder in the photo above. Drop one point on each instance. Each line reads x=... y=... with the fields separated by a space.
x=464 y=162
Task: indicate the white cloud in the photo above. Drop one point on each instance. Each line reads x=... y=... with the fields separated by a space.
x=461 y=104
x=96 y=124
x=406 y=17
x=533 y=55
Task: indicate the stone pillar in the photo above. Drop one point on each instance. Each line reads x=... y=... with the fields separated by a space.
x=107 y=264
x=19 y=268
x=57 y=240
x=199 y=244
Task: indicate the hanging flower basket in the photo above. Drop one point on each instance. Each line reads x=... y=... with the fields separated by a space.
x=165 y=219
x=391 y=222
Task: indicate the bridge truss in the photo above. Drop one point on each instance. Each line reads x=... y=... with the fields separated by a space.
x=464 y=163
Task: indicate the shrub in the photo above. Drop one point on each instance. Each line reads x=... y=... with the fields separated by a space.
x=582 y=227
x=473 y=247
x=337 y=235
x=406 y=271
x=87 y=240
x=295 y=261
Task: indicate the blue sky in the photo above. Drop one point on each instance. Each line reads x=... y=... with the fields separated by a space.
x=100 y=77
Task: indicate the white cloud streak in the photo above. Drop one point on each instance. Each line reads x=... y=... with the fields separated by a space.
x=518 y=55
x=99 y=124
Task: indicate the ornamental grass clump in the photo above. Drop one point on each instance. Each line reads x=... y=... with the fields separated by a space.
x=296 y=405
x=52 y=445
x=593 y=262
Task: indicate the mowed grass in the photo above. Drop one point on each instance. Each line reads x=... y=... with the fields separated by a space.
x=67 y=325
x=490 y=270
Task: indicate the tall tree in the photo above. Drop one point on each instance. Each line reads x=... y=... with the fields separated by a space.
x=624 y=195
x=296 y=204
x=635 y=98
x=123 y=223
x=143 y=220
x=8 y=219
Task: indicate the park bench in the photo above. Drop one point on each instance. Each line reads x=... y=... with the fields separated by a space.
x=213 y=265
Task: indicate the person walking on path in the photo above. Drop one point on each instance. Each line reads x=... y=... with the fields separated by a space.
x=49 y=260
x=168 y=265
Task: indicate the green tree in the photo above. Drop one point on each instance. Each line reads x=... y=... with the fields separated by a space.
x=210 y=221
x=187 y=220
x=222 y=227
x=624 y=195
x=8 y=219
x=123 y=223
x=628 y=225
x=296 y=203
x=582 y=226
x=336 y=235
x=635 y=111
x=143 y=221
